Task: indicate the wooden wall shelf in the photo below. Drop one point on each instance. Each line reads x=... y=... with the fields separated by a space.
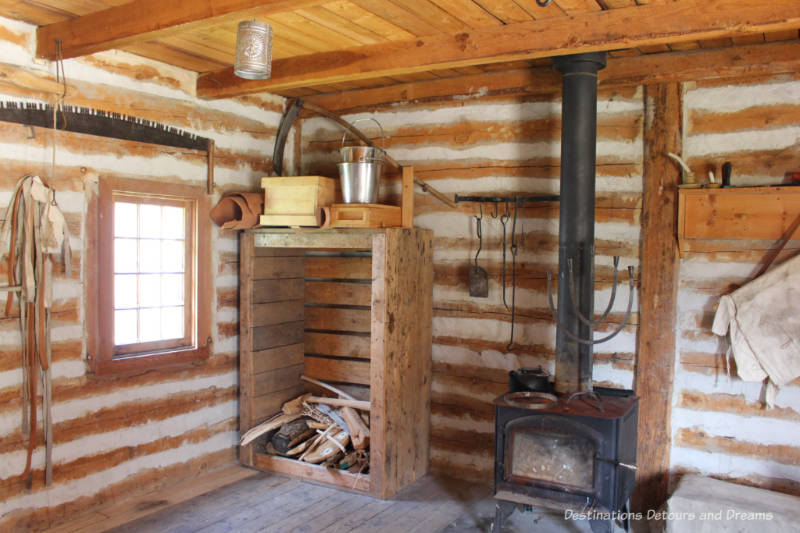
x=736 y=218
x=348 y=306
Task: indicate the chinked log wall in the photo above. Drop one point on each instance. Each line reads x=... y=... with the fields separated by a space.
x=502 y=146
x=505 y=145
x=719 y=426
x=115 y=436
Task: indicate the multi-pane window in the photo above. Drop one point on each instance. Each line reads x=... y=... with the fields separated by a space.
x=151 y=294
x=150 y=278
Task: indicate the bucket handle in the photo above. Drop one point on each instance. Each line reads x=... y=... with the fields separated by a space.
x=383 y=135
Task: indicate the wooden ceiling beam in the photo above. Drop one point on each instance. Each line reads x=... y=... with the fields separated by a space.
x=144 y=20
x=650 y=24
x=732 y=62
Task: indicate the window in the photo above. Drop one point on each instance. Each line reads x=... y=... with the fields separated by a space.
x=150 y=293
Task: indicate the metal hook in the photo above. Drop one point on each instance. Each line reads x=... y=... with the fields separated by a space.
x=574 y=337
x=495 y=210
x=571 y=287
x=480 y=236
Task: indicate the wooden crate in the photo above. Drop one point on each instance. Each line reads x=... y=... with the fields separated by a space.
x=297 y=201
x=365 y=216
x=350 y=306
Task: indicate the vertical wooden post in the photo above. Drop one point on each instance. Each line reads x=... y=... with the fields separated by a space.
x=245 y=341
x=407 y=202
x=658 y=293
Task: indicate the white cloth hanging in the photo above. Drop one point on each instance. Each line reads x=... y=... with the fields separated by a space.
x=763 y=319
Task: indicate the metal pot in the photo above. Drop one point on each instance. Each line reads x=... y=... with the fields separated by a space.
x=529 y=379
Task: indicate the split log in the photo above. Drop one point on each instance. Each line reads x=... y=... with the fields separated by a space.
x=292 y=434
x=265 y=427
x=340 y=402
x=291 y=411
x=295 y=406
x=330 y=445
x=359 y=432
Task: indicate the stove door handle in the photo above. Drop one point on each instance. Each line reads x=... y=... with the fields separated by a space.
x=617 y=463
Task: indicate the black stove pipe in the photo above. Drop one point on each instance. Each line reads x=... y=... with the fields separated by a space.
x=576 y=222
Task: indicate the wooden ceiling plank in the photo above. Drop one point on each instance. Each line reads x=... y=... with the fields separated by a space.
x=538 y=12
x=346 y=27
x=733 y=62
x=366 y=19
x=505 y=10
x=166 y=53
x=574 y=7
x=399 y=16
x=440 y=18
x=617 y=4
x=468 y=11
x=142 y=20
x=688 y=20
x=313 y=30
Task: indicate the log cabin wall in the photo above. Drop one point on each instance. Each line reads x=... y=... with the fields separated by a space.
x=507 y=145
x=502 y=146
x=118 y=435
x=718 y=425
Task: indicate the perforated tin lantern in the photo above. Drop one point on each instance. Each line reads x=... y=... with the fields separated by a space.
x=253 y=50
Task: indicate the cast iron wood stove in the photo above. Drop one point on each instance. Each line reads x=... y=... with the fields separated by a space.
x=567 y=456
x=574 y=450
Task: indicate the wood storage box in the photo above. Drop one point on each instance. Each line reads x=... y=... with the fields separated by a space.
x=297 y=201
x=352 y=307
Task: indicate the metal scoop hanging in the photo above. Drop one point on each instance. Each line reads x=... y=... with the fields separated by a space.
x=478 y=277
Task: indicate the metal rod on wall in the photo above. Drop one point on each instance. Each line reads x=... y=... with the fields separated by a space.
x=510 y=199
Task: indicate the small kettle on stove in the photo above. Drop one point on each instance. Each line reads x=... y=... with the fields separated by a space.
x=529 y=379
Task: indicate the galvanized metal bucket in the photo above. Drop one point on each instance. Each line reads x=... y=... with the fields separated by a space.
x=363 y=154
x=360 y=181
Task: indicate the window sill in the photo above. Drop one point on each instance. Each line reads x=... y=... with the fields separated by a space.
x=145 y=362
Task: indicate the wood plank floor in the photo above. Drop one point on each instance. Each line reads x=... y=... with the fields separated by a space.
x=275 y=503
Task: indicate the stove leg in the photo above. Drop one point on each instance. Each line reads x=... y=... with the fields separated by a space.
x=502 y=510
x=601 y=526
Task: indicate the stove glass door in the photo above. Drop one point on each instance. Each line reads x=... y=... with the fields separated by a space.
x=554 y=458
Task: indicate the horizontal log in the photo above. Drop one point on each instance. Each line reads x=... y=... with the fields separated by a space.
x=697 y=439
x=44 y=517
x=688 y=20
x=142 y=21
x=737 y=61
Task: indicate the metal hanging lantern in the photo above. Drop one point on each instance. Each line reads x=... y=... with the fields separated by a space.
x=253 y=50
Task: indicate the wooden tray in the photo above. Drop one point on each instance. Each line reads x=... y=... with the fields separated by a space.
x=365 y=216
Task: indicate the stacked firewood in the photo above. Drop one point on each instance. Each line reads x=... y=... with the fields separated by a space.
x=319 y=430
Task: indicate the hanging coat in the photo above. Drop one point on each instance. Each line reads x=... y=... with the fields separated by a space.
x=763 y=319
